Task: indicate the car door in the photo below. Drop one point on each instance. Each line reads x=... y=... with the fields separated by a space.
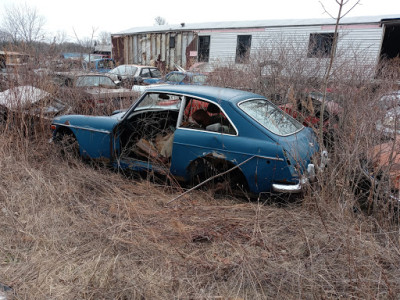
x=201 y=133
x=144 y=139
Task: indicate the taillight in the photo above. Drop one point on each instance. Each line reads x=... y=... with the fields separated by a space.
x=53 y=127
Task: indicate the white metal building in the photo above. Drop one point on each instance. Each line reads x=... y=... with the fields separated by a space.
x=364 y=39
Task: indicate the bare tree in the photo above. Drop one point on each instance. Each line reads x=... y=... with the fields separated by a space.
x=60 y=37
x=104 y=38
x=160 y=21
x=340 y=15
x=23 y=23
x=86 y=42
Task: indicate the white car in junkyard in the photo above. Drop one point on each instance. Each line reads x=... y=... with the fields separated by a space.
x=29 y=103
x=389 y=125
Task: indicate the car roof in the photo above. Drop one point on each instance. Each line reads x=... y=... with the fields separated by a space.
x=138 y=66
x=215 y=94
x=189 y=73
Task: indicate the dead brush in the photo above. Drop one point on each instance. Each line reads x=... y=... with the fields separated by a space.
x=74 y=232
x=70 y=231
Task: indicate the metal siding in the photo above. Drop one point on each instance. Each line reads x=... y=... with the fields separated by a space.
x=143 y=40
x=222 y=48
x=171 y=51
x=178 y=49
x=163 y=47
x=158 y=44
x=131 y=50
x=135 y=48
x=148 y=50
x=153 y=49
x=126 y=50
x=184 y=45
x=360 y=43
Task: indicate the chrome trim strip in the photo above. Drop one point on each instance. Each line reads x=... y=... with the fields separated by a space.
x=84 y=128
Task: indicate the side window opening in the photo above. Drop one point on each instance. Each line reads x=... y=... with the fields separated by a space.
x=172 y=41
x=243 y=48
x=204 y=48
x=203 y=115
x=320 y=45
x=145 y=73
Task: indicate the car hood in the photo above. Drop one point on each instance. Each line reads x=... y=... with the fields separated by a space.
x=22 y=97
x=103 y=123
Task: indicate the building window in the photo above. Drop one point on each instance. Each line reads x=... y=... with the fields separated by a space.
x=172 y=41
x=204 y=48
x=320 y=44
x=243 y=48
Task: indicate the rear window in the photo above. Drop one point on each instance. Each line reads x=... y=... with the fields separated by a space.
x=270 y=116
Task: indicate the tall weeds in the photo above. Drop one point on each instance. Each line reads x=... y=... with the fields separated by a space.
x=71 y=231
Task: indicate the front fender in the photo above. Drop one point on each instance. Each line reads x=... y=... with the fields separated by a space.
x=94 y=134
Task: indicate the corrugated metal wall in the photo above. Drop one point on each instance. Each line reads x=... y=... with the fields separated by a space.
x=145 y=49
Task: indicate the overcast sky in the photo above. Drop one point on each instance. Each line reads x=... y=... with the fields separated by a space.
x=84 y=16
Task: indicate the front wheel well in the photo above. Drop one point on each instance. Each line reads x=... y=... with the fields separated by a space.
x=64 y=131
x=66 y=140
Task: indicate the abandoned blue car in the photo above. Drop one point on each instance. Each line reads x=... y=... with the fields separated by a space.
x=193 y=133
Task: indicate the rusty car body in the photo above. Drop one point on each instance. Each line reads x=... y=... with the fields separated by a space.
x=192 y=132
x=92 y=92
x=129 y=74
x=29 y=107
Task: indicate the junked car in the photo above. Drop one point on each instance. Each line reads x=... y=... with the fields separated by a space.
x=174 y=77
x=378 y=183
x=194 y=132
x=389 y=125
x=129 y=75
x=308 y=110
x=179 y=77
x=101 y=65
x=88 y=91
x=29 y=104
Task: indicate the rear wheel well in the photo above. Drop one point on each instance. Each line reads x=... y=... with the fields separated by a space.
x=206 y=167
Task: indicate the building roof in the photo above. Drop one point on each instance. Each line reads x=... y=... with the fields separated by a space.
x=258 y=23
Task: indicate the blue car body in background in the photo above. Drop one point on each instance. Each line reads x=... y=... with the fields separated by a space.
x=179 y=77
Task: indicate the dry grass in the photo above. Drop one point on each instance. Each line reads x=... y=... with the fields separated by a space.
x=70 y=231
